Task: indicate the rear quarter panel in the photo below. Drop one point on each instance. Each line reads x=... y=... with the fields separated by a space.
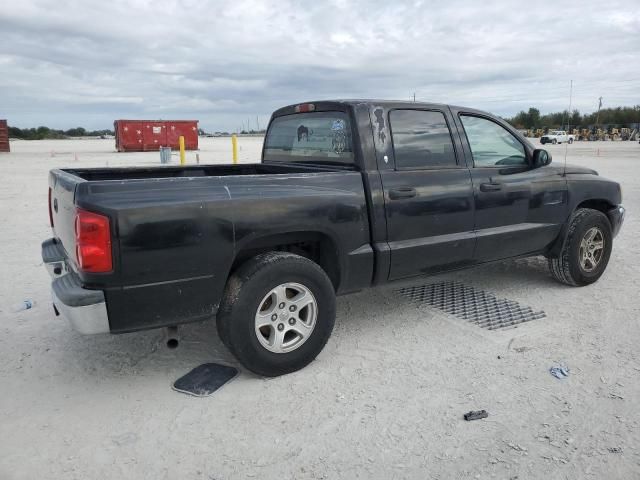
x=177 y=237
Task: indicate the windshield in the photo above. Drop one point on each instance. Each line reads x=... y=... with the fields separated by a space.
x=310 y=137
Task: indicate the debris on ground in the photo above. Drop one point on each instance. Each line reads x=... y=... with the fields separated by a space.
x=559 y=372
x=517 y=447
x=475 y=415
x=205 y=379
x=614 y=450
x=27 y=304
x=522 y=349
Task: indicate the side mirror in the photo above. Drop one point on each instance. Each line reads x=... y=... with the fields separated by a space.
x=541 y=158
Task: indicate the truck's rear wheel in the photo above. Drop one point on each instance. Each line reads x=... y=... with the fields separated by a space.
x=277 y=313
x=586 y=250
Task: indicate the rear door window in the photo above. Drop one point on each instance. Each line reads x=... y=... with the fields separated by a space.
x=421 y=139
x=310 y=137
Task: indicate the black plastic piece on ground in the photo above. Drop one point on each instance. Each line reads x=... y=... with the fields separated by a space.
x=475 y=415
x=205 y=379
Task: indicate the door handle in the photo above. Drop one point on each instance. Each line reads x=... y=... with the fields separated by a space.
x=402 y=192
x=490 y=187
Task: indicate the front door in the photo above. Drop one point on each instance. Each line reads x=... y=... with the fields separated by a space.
x=428 y=195
x=518 y=209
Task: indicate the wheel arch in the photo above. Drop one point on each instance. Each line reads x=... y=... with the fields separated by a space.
x=317 y=246
x=600 y=204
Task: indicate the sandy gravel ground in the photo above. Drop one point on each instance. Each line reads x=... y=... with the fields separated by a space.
x=384 y=399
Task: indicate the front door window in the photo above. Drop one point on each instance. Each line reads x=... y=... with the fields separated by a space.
x=491 y=144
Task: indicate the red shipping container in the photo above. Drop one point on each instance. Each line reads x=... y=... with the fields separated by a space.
x=4 y=136
x=150 y=135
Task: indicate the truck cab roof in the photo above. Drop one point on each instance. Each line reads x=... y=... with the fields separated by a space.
x=338 y=103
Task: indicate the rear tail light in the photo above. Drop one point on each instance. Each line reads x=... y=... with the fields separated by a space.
x=50 y=211
x=93 y=242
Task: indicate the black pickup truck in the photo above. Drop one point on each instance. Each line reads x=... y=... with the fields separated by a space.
x=348 y=194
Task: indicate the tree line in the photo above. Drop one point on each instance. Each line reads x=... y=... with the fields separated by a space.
x=618 y=116
x=42 y=133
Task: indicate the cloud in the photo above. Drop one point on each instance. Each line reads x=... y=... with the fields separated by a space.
x=87 y=63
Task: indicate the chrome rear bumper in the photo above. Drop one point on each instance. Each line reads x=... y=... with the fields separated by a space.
x=85 y=309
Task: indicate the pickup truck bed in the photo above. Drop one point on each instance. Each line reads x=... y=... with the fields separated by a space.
x=177 y=231
x=348 y=194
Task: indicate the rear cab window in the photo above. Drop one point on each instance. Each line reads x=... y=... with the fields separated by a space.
x=421 y=139
x=313 y=137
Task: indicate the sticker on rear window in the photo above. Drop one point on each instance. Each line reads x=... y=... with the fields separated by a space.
x=337 y=125
x=304 y=132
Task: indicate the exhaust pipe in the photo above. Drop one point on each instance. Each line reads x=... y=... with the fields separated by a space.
x=173 y=340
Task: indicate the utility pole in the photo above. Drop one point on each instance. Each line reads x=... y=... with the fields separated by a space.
x=414 y=97
x=598 y=115
x=257 y=123
x=569 y=112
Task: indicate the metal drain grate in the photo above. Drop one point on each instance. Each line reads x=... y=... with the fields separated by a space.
x=475 y=306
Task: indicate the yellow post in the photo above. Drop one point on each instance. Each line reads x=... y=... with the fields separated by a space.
x=234 y=147
x=181 y=140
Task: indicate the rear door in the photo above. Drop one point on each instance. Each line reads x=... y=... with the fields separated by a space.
x=518 y=209
x=428 y=194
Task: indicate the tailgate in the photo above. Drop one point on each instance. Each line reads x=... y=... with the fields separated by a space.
x=62 y=187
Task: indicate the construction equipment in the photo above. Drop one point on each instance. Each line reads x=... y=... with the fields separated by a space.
x=598 y=134
x=614 y=134
x=625 y=134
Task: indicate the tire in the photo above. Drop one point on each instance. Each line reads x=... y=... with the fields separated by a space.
x=569 y=266
x=252 y=291
x=554 y=141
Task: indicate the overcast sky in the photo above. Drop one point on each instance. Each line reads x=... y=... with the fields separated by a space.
x=71 y=63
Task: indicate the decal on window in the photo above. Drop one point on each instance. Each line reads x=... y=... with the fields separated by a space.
x=304 y=132
x=339 y=142
x=337 y=125
x=382 y=136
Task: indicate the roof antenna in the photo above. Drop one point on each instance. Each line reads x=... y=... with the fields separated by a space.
x=566 y=144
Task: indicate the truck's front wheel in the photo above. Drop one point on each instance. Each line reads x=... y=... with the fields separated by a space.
x=586 y=250
x=277 y=313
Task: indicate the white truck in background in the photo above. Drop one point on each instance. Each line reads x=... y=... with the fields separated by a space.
x=557 y=136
